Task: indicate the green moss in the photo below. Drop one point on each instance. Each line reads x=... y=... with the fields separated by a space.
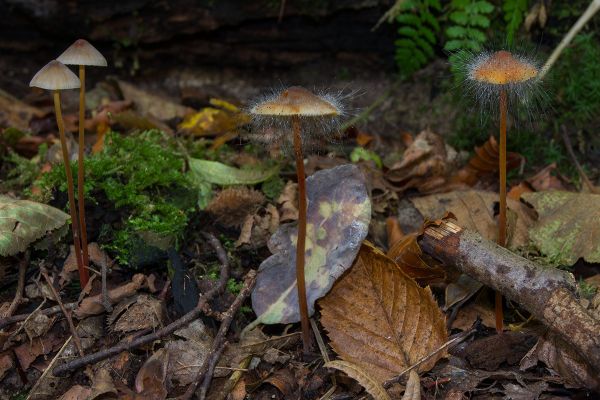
x=273 y=187
x=141 y=177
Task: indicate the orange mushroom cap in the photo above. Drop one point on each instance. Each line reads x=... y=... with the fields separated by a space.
x=501 y=68
x=296 y=100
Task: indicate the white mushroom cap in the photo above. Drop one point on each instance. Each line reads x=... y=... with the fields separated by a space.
x=296 y=100
x=55 y=76
x=82 y=53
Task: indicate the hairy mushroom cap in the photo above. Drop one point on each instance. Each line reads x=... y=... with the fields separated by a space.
x=82 y=53
x=502 y=68
x=296 y=100
x=55 y=76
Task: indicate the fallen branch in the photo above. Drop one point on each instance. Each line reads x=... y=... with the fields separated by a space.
x=191 y=316
x=548 y=294
x=47 y=312
x=205 y=373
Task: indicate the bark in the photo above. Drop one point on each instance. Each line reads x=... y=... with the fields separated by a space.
x=548 y=294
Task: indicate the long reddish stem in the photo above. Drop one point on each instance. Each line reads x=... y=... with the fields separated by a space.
x=81 y=170
x=83 y=272
x=502 y=214
x=301 y=243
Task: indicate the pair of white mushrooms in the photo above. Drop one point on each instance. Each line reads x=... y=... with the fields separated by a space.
x=55 y=76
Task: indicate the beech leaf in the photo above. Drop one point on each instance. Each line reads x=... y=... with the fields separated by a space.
x=221 y=174
x=338 y=216
x=23 y=221
x=355 y=372
x=568 y=225
x=378 y=318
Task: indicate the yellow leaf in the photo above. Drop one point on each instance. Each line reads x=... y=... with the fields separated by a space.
x=358 y=374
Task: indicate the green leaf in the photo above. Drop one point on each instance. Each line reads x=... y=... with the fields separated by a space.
x=459 y=17
x=221 y=174
x=338 y=216
x=480 y=20
x=408 y=19
x=23 y=221
x=456 y=32
x=407 y=31
x=453 y=45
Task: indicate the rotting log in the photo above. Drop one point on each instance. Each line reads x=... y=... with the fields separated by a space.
x=549 y=294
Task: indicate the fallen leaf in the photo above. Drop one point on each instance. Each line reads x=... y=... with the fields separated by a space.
x=413 y=387
x=77 y=392
x=103 y=386
x=27 y=352
x=93 y=305
x=526 y=392
x=548 y=178
x=354 y=371
x=288 y=201
x=218 y=120
x=15 y=113
x=425 y=165
x=568 y=225
x=131 y=120
x=147 y=103
x=150 y=380
x=558 y=355
x=23 y=221
x=6 y=363
x=410 y=258
x=474 y=210
x=136 y=313
x=225 y=175
x=338 y=216
x=284 y=381
x=257 y=228
x=490 y=352
x=186 y=356
x=468 y=314
x=378 y=318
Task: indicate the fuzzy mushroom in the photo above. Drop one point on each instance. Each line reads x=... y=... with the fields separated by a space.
x=510 y=79
x=82 y=53
x=287 y=109
x=55 y=76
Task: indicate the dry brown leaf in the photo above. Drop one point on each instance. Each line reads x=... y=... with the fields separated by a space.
x=27 y=352
x=150 y=380
x=425 y=165
x=548 y=178
x=15 y=113
x=147 y=103
x=137 y=313
x=372 y=386
x=379 y=318
x=474 y=210
x=76 y=392
x=284 y=381
x=413 y=387
x=93 y=305
x=409 y=256
x=6 y=363
x=103 y=385
x=288 y=201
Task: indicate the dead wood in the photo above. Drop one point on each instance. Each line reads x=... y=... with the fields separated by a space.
x=548 y=294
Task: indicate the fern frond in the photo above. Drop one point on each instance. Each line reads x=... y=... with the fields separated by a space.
x=514 y=14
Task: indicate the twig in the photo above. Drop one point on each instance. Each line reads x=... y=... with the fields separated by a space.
x=20 y=287
x=47 y=312
x=127 y=345
x=582 y=174
x=76 y=338
x=218 y=342
x=452 y=342
x=211 y=370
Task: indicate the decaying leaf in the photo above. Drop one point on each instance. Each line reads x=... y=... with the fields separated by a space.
x=150 y=380
x=413 y=387
x=94 y=306
x=409 y=256
x=224 y=117
x=372 y=386
x=15 y=113
x=24 y=221
x=221 y=174
x=425 y=164
x=568 y=227
x=77 y=392
x=288 y=201
x=257 y=228
x=338 y=216
x=474 y=210
x=186 y=356
x=137 y=313
x=379 y=318
x=151 y=104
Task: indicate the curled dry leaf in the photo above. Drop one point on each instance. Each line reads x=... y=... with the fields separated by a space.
x=231 y=205
x=150 y=380
x=288 y=201
x=474 y=210
x=338 y=216
x=409 y=256
x=371 y=385
x=413 y=387
x=137 y=313
x=568 y=227
x=24 y=221
x=378 y=318
x=425 y=165
x=93 y=305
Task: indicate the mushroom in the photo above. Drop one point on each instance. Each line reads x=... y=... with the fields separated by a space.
x=290 y=108
x=82 y=53
x=55 y=76
x=509 y=78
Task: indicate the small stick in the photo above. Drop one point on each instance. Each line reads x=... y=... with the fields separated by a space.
x=586 y=181
x=47 y=312
x=76 y=339
x=20 y=287
x=126 y=345
x=211 y=370
x=219 y=341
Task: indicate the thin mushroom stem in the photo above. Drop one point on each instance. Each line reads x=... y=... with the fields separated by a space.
x=301 y=242
x=83 y=272
x=81 y=172
x=502 y=214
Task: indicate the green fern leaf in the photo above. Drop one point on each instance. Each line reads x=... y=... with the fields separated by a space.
x=459 y=17
x=456 y=32
x=514 y=14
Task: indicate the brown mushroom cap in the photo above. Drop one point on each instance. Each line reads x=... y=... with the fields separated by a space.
x=82 y=53
x=296 y=100
x=55 y=76
x=502 y=68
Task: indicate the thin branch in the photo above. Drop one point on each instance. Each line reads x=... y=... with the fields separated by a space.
x=211 y=370
x=47 y=312
x=76 y=338
x=219 y=340
x=127 y=345
x=20 y=287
